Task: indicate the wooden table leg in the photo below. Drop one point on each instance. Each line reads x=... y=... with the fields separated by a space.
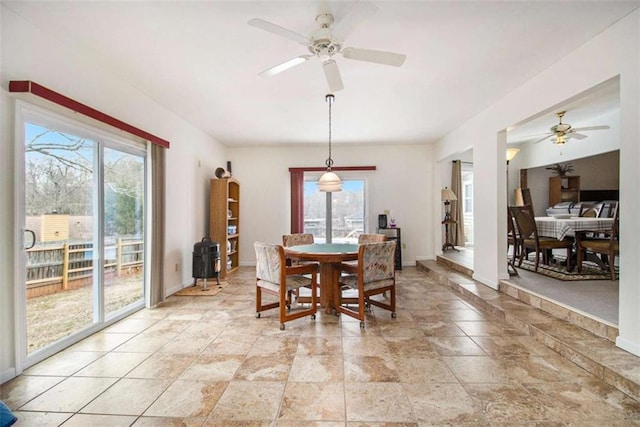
x=326 y=286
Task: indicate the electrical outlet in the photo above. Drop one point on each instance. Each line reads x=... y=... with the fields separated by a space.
x=387 y=212
x=177 y=267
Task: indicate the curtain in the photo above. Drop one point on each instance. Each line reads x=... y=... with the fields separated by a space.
x=157 y=224
x=297 y=201
x=456 y=205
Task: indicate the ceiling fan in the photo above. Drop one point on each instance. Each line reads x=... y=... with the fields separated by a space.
x=561 y=132
x=326 y=41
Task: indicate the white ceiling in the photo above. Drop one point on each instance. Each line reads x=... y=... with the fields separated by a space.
x=201 y=60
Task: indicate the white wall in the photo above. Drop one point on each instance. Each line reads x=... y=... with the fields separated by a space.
x=600 y=172
x=29 y=53
x=620 y=45
x=402 y=183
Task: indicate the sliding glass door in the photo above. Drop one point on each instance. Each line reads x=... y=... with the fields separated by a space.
x=84 y=193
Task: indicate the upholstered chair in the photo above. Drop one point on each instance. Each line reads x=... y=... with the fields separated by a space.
x=371 y=238
x=274 y=277
x=374 y=274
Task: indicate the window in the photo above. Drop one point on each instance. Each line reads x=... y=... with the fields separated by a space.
x=348 y=211
x=467 y=202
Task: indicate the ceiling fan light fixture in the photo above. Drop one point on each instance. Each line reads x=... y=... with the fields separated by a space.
x=329 y=182
x=560 y=140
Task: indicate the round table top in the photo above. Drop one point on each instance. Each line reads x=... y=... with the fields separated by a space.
x=324 y=252
x=326 y=248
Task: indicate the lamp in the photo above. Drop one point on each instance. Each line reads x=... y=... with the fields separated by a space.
x=329 y=182
x=446 y=195
x=511 y=153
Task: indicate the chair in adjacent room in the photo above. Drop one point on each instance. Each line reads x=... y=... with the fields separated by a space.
x=374 y=274
x=530 y=240
x=274 y=277
x=513 y=238
x=590 y=210
x=607 y=245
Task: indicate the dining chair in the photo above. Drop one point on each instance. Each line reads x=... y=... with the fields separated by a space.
x=590 y=210
x=513 y=238
x=609 y=208
x=607 y=245
x=374 y=274
x=529 y=238
x=371 y=238
x=303 y=296
x=274 y=277
x=297 y=239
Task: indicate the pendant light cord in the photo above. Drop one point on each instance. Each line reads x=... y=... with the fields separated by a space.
x=329 y=98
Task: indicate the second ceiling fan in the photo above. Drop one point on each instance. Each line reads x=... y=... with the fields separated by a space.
x=326 y=41
x=561 y=132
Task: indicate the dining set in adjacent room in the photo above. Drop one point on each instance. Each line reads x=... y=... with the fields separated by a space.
x=584 y=234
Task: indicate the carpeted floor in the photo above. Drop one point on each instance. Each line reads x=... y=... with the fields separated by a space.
x=557 y=270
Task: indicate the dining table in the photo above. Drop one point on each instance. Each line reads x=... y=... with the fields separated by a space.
x=328 y=256
x=559 y=228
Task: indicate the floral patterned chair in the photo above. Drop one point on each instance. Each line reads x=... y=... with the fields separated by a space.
x=374 y=274
x=273 y=276
x=371 y=238
x=303 y=296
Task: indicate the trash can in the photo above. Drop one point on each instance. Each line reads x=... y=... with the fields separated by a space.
x=206 y=261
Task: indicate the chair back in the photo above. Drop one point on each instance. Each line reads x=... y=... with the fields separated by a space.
x=525 y=221
x=371 y=238
x=511 y=227
x=590 y=210
x=377 y=261
x=609 y=209
x=297 y=239
x=269 y=262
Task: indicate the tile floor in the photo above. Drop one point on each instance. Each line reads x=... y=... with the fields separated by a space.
x=207 y=361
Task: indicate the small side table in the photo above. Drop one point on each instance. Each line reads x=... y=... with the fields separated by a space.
x=447 y=233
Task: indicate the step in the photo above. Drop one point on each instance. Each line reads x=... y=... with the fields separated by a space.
x=594 y=353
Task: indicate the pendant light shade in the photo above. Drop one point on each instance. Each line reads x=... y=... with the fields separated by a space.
x=329 y=182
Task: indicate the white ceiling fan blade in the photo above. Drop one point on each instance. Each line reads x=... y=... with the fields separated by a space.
x=377 y=56
x=360 y=11
x=576 y=135
x=285 y=65
x=603 y=127
x=278 y=30
x=332 y=74
x=543 y=138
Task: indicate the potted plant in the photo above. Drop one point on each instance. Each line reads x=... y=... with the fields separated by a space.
x=561 y=170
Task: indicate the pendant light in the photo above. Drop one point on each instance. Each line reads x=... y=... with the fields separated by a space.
x=329 y=182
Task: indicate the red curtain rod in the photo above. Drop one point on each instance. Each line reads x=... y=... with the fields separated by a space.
x=335 y=168
x=27 y=86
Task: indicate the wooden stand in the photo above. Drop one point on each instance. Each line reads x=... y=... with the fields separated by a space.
x=448 y=240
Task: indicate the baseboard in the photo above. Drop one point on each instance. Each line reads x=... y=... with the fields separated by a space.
x=7 y=375
x=490 y=283
x=629 y=346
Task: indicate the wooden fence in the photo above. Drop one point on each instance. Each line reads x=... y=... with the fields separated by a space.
x=60 y=267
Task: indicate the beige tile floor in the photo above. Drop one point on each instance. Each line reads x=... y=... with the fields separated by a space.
x=207 y=361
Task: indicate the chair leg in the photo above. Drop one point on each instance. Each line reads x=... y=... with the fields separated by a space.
x=580 y=259
x=612 y=266
x=537 y=260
